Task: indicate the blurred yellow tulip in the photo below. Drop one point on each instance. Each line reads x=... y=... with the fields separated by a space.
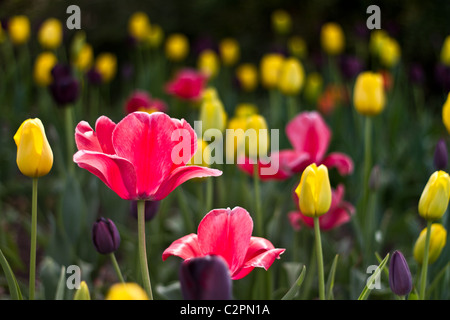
x=445 y=52
x=256 y=137
x=83 y=292
x=244 y=110
x=139 y=26
x=50 y=34
x=297 y=47
x=292 y=76
x=438 y=238
x=247 y=75
x=19 y=29
x=208 y=63
x=434 y=200
x=446 y=113
x=126 y=291
x=106 y=65
x=177 y=47
x=313 y=87
x=377 y=38
x=84 y=59
x=43 y=66
x=281 y=21
x=235 y=141
x=270 y=70
x=390 y=52
x=332 y=38
x=212 y=112
x=34 y=155
x=155 y=36
x=229 y=51
x=368 y=94
x=314 y=191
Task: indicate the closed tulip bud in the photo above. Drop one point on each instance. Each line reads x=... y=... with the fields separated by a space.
x=270 y=70
x=155 y=36
x=106 y=65
x=377 y=38
x=151 y=209
x=313 y=87
x=292 y=76
x=332 y=38
x=314 y=191
x=19 y=29
x=139 y=26
x=446 y=113
x=177 y=47
x=435 y=196
x=84 y=58
x=42 y=72
x=369 y=95
x=247 y=76
x=244 y=110
x=257 y=131
x=105 y=236
x=445 y=52
x=235 y=144
x=297 y=47
x=50 y=34
x=440 y=155
x=205 y=278
x=212 y=112
x=208 y=63
x=83 y=292
x=126 y=291
x=390 y=52
x=400 y=279
x=34 y=155
x=281 y=21
x=65 y=88
x=229 y=51
x=438 y=238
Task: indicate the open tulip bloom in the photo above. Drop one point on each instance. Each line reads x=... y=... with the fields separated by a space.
x=227 y=233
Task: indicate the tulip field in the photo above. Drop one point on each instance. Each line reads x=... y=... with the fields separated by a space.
x=212 y=150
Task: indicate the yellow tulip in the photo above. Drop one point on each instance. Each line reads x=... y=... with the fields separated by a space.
x=445 y=52
x=435 y=196
x=297 y=47
x=208 y=63
x=83 y=292
x=368 y=95
x=139 y=26
x=446 y=113
x=390 y=52
x=177 y=47
x=106 y=65
x=155 y=36
x=43 y=67
x=84 y=59
x=212 y=112
x=313 y=87
x=292 y=76
x=50 y=34
x=256 y=137
x=332 y=38
x=270 y=70
x=235 y=141
x=126 y=291
x=34 y=155
x=247 y=75
x=377 y=38
x=281 y=21
x=19 y=29
x=244 y=110
x=438 y=238
x=314 y=191
x=229 y=51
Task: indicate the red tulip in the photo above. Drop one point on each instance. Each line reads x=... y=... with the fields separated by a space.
x=142 y=101
x=134 y=157
x=227 y=233
x=188 y=84
x=340 y=212
x=310 y=136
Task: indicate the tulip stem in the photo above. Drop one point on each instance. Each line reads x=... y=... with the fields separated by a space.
x=33 y=238
x=292 y=107
x=368 y=221
x=142 y=249
x=116 y=266
x=259 y=216
x=423 y=274
x=70 y=134
x=320 y=271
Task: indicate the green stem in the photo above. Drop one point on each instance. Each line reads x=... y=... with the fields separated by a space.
x=423 y=275
x=258 y=209
x=209 y=194
x=292 y=105
x=116 y=267
x=70 y=137
x=142 y=250
x=367 y=168
x=319 y=259
x=33 y=238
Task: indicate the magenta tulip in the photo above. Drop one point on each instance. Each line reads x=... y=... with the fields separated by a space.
x=141 y=100
x=188 y=84
x=137 y=157
x=227 y=233
x=340 y=212
x=310 y=136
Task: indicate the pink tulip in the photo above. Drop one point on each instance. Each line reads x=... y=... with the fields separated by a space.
x=310 y=136
x=188 y=84
x=227 y=233
x=141 y=100
x=134 y=157
x=340 y=212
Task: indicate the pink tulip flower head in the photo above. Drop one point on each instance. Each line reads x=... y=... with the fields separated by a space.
x=188 y=84
x=141 y=100
x=143 y=157
x=227 y=233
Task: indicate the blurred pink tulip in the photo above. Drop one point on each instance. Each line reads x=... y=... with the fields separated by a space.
x=188 y=84
x=141 y=100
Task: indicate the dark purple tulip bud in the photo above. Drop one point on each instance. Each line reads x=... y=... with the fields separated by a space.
x=65 y=88
x=440 y=155
x=417 y=74
x=351 y=66
x=205 y=278
x=151 y=209
x=105 y=236
x=94 y=77
x=400 y=279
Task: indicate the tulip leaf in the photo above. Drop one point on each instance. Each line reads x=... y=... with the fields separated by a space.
x=60 y=289
x=294 y=289
x=370 y=282
x=10 y=278
x=330 y=281
x=73 y=209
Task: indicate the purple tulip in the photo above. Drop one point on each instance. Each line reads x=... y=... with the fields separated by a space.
x=440 y=155
x=400 y=279
x=65 y=88
x=105 y=236
x=351 y=66
x=94 y=77
x=205 y=278
x=151 y=209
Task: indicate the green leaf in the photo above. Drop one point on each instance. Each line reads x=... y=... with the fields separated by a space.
x=294 y=289
x=367 y=289
x=10 y=278
x=330 y=281
x=61 y=285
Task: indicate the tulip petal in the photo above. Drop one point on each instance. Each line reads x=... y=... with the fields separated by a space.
x=104 y=128
x=117 y=173
x=340 y=161
x=186 y=247
x=86 y=138
x=227 y=233
x=281 y=170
